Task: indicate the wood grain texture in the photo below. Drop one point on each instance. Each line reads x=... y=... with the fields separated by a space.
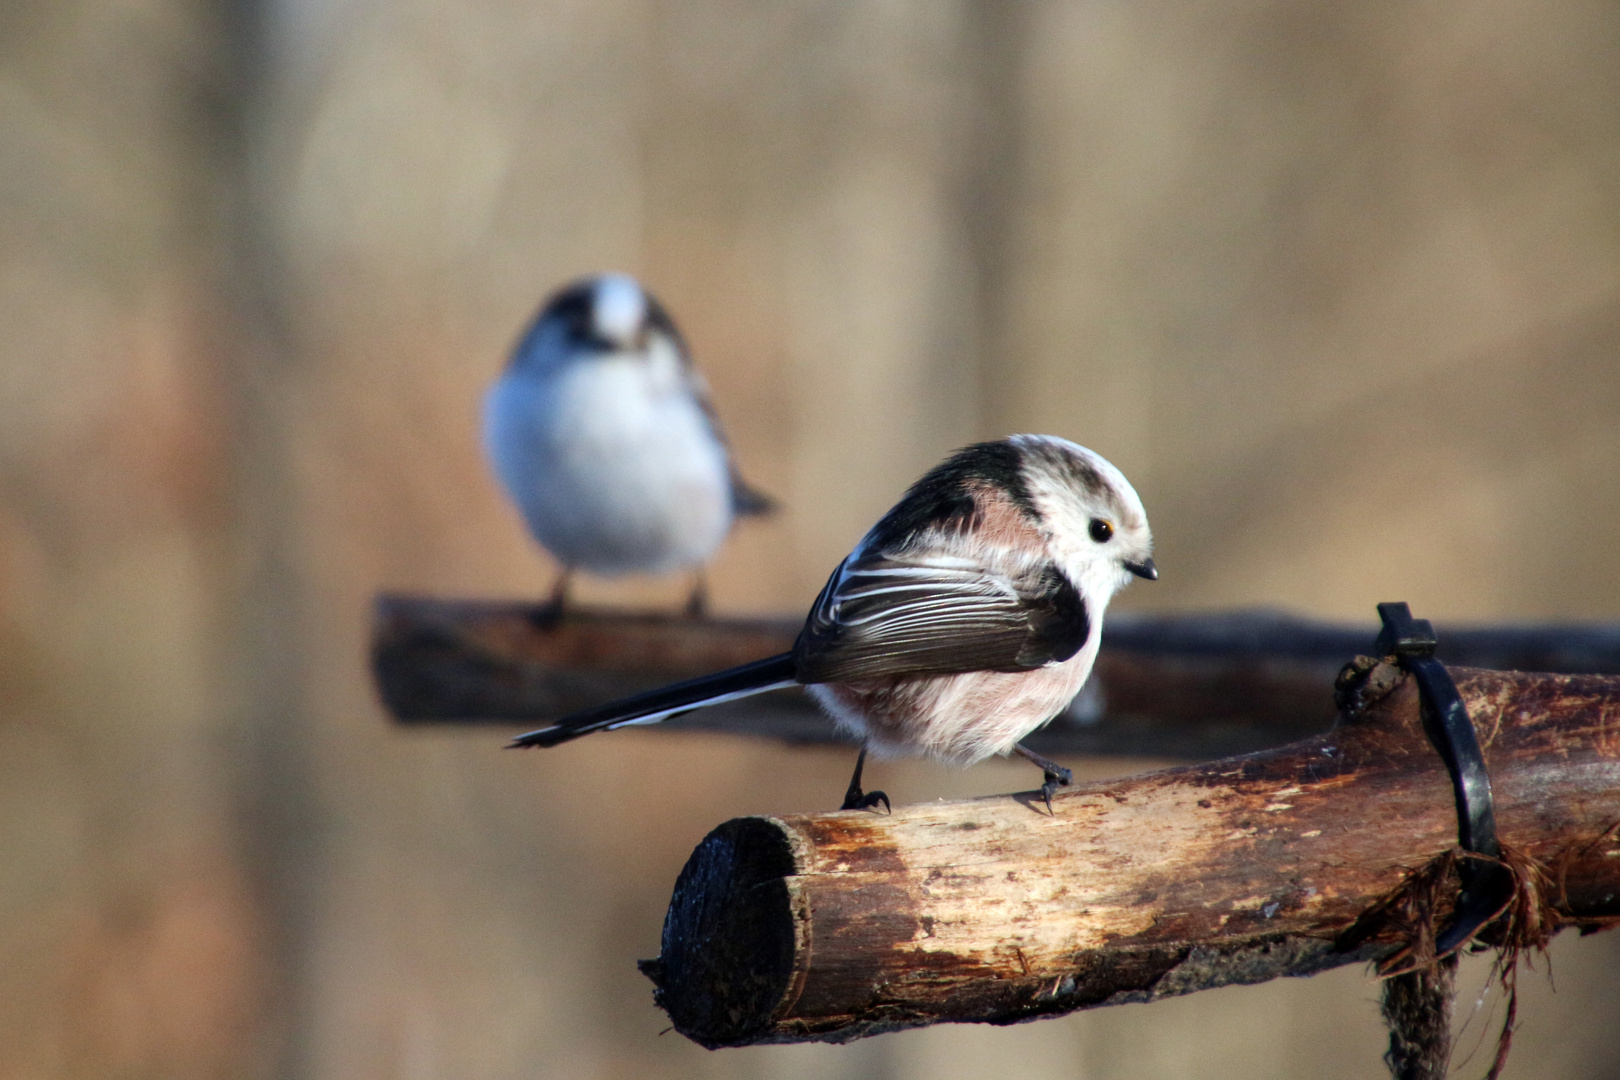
x=833 y=926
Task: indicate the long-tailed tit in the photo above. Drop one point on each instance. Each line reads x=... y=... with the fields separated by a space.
x=964 y=620
x=601 y=431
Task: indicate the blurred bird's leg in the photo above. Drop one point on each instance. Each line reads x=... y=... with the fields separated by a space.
x=551 y=612
x=697 y=601
x=1056 y=775
x=855 y=798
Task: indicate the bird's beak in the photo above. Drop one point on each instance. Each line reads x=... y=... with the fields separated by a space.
x=1144 y=569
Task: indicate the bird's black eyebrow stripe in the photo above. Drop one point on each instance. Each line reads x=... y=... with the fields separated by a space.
x=944 y=496
x=1077 y=471
x=571 y=300
x=658 y=318
x=571 y=305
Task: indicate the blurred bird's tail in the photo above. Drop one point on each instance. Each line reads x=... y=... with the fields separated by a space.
x=658 y=705
x=748 y=501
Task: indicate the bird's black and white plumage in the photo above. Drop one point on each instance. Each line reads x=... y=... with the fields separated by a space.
x=965 y=619
x=601 y=431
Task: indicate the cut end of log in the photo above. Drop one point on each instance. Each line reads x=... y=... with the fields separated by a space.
x=728 y=952
x=835 y=926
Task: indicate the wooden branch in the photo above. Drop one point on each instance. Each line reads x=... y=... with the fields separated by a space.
x=1178 y=686
x=834 y=926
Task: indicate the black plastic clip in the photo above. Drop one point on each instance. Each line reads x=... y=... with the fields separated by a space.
x=1487 y=885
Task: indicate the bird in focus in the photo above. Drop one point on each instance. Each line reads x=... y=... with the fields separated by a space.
x=601 y=431
x=965 y=619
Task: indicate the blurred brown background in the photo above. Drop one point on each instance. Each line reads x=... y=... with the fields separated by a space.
x=1337 y=285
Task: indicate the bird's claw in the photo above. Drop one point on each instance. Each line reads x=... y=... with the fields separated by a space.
x=547 y=616
x=1054 y=780
x=855 y=799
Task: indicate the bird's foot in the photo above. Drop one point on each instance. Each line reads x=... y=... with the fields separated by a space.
x=697 y=601
x=1056 y=775
x=1054 y=780
x=549 y=615
x=697 y=605
x=855 y=798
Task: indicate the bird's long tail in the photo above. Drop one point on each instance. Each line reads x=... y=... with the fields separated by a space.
x=747 y=500
x=661 y=704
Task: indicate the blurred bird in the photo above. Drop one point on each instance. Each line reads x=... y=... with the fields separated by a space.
x=601 y=431
x=965 y=619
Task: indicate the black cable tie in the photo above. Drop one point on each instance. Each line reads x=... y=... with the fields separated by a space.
x=1487 y=885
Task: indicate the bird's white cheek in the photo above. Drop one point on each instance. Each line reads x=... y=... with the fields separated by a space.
x=663 y=368
x=1098 y=579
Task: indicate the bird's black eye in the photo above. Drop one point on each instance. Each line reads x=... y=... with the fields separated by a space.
x=1101 y=531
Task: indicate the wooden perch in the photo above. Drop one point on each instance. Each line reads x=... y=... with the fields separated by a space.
x=1177 y=686
x=834 y=926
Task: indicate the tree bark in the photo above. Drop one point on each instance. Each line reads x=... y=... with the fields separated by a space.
x=834 y=926
x=1194 y=687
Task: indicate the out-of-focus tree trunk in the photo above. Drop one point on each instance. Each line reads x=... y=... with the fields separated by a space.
x=133 y=927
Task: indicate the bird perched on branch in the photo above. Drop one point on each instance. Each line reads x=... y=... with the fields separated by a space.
x=964 y=620
x=601 y=431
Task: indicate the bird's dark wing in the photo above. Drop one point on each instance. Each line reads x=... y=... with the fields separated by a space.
x=746 y=500
x=882 y=617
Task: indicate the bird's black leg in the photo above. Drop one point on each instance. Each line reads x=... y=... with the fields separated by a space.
x=697 y=601
x=854 y=798
x=551 y=612
x=1056 y=775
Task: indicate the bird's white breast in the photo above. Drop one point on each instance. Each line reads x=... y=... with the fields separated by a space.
x=960 y=719
x=612 y=462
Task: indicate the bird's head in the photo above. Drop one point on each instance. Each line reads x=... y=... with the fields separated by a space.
x=605 y=315
x=1093 y=518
